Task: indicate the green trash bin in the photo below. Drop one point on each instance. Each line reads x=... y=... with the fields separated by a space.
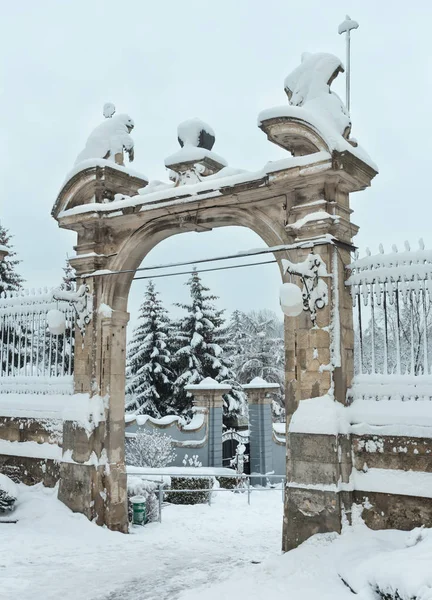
x=139 y=510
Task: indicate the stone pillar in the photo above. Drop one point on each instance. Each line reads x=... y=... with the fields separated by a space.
x=318 y=454
x=92 y=474
x=209 y=395
x=260 y=419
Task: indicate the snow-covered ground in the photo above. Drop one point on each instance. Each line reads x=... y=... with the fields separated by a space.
x=228 y=550
x=52 y=553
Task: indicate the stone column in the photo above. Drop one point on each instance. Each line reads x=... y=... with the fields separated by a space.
x=209 y=395
x=92 y=474
x=260 y=419
x=318 y=452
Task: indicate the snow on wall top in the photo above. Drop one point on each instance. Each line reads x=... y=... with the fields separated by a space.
x=324 y=415
x=101 y=162
x=109 y=138
x=159 y=191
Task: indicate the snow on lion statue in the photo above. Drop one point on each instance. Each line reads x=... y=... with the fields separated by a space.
x=109 y=139
x=309 y=84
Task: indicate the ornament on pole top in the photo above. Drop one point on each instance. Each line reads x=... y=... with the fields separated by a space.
x=346 y=27
x=108 y=110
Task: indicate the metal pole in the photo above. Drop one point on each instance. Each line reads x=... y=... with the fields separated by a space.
x=160 y=502
x=348 y=69
x=345 y=27
x=249 y=490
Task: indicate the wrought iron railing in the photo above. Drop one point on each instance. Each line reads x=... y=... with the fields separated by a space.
x=31 y=358
x=392 y=299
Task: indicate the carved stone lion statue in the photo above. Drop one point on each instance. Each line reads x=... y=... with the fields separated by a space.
x=309 y=84
x=109 y=139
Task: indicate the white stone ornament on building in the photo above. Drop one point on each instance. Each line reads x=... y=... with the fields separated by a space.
x=56 y=322
x=291 y=299
x=195 y=160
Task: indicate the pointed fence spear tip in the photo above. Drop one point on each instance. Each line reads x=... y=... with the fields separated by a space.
x=421 y=244
x=407 y=246
x=381 y=249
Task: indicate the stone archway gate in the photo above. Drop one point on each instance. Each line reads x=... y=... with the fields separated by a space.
x=300 y=203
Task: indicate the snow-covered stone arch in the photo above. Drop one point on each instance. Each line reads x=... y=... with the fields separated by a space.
x=138 y=245
x=301 y=201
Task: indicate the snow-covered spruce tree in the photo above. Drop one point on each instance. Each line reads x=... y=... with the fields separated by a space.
x=149 y=374
x=201 y=342
x=261 y=353
x=69 y=276
x=10 y=280
x=12 y=337
x=150 y=449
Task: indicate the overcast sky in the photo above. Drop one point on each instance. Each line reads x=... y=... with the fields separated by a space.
x=224 y=61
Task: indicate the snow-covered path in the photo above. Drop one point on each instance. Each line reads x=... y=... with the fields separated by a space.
x=52 y=553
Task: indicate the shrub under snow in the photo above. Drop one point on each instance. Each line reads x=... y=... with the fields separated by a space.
x=150 y=449
x=8 y=493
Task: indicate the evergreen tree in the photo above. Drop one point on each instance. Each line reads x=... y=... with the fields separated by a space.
x=10 y=280
x=149 y=374
x=13 y=338
x=260 y=352
x=201 y=351
x=69 y=276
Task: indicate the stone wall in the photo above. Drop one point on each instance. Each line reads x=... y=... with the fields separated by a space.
x=30 y=449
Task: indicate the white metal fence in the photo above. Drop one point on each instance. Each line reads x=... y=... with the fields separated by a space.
x=31 y=358
x=392 y=299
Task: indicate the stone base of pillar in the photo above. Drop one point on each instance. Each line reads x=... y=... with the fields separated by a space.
x=314 y=502
x=101 y=497
x=88 y=484
x=310 y=511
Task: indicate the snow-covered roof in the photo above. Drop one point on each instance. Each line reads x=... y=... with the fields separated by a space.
x=208 y=384
x=260 y=383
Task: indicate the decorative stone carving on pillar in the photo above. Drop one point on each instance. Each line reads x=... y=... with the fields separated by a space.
x=261 y=428
x=195 y=160
x=209 y=395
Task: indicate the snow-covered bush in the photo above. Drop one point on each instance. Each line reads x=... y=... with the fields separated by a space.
x=189 y=483
x=137 y=486
x=150 y=449
x=8 y=493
